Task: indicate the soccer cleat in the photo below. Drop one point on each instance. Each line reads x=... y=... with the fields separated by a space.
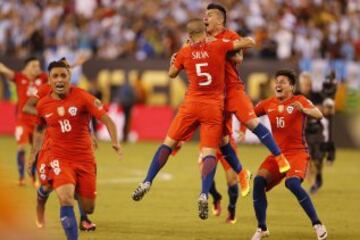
x=283 y=163
x=86 y=225
x=321 y=232
x=140 y=191
x=260 y=234
x=216 y=210
x=231 y=217
x=203 y=206
x=244 y=178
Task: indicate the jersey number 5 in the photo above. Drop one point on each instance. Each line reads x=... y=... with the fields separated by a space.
x=200 y=73
x=65 y=125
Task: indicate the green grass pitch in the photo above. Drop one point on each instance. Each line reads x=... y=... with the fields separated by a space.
x=169 y=210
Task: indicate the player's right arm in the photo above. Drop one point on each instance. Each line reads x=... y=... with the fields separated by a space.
x=9 y=73
x=37 y=141
x=246 y=42
x=177 y=63
x=30 y=106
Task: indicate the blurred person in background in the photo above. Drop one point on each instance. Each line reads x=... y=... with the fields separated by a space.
x=127 y=99
x=318 y=132
x=28 y=82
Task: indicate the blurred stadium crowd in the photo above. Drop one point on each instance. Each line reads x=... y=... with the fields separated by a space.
x=113 y=29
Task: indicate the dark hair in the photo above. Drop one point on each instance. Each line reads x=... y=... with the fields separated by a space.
x=57 y=64
x=30 y=59
x=290 y=74
x=218 y=7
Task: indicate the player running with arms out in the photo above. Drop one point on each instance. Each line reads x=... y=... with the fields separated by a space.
x=39 y=156
x=287 y=114
x=66 y=113
x=27 y=83
x=203 y=61
x=237 y=101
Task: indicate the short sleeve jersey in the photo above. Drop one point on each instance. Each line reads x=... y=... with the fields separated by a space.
x=232 y=77
x=287 y=123
x=67 y=123
x=25 y=89
x=204 y=64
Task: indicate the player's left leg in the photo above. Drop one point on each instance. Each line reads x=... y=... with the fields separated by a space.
x=294 y=185
x=86 y=194
x=216 y=210
x=293 y=182
x=267 y=177
x=208 y=170
x=233 y=193
x=228 y=151
x=86 y=206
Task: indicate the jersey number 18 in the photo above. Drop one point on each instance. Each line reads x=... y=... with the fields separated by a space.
x=65 y=125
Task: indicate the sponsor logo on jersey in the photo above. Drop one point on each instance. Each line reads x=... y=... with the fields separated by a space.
x=72 y=111
x=281 y=108
x=48 y=115
x=290 y=109
x=61 y=111
x=23 y=81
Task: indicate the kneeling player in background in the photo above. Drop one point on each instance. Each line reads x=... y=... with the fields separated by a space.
x=287 y=114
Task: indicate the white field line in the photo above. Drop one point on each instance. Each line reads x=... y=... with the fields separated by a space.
x=139 y=175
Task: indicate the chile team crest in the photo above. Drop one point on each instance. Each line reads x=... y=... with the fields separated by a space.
x=61 y=111
x=290 y=109
x=72 y=111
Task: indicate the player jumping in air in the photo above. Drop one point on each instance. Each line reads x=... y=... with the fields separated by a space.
x=287 y=114
x=203 y=61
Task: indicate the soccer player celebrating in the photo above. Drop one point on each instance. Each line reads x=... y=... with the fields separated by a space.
x=27 y=83
x=66 y=112
x=287 y=114
x=237 y=101
x=39 y=157
x=203 y=61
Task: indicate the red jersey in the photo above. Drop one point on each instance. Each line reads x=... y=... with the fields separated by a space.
x=67 y=123
x=231 y=74
x=287 y=123
x=26 y=88
x=205 y=68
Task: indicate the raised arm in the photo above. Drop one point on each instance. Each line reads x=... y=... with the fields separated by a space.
x=9 y=73
x=246 y=42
